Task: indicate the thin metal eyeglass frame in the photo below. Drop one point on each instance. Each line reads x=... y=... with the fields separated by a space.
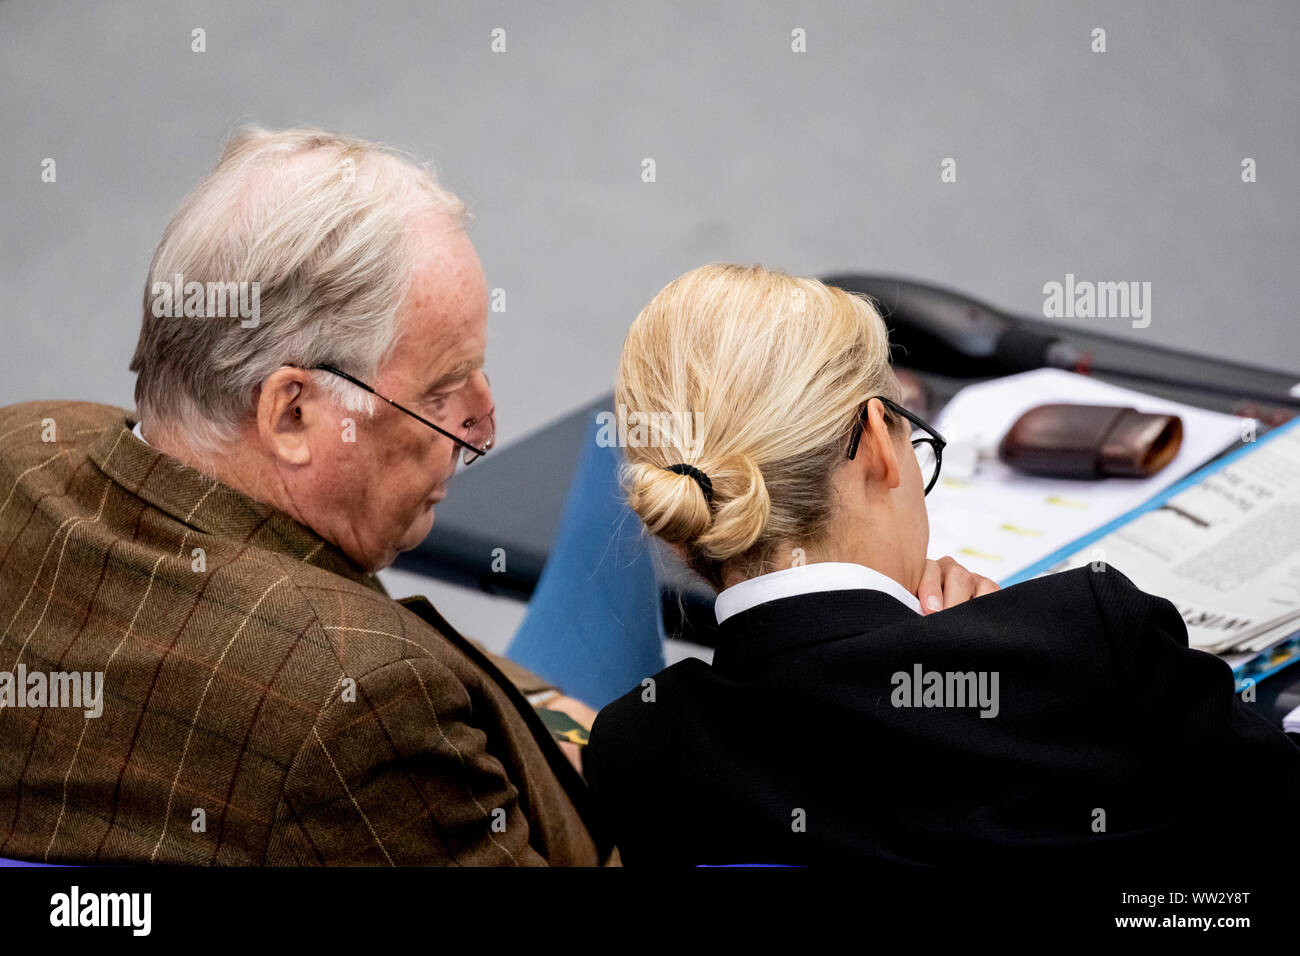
x=936 y=441
x=465 y=446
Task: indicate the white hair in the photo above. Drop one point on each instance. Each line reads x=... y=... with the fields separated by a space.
x=320 y=222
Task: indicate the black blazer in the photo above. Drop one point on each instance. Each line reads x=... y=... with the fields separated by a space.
x=1112 y=740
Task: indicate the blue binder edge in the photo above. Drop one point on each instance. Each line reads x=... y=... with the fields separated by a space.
x=1056 y=557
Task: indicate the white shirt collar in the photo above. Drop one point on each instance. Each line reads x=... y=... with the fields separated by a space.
x=137 y=433
x=806 y=579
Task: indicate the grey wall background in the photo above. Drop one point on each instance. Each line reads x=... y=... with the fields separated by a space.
x=1115 y=166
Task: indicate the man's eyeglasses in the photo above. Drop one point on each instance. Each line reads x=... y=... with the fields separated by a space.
x=481 y=432
x=926 y=442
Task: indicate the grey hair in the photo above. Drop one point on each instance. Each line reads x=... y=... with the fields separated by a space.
x=320 y=222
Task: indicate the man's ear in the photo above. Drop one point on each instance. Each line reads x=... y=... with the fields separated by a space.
x=876 y=453
x=287 y=408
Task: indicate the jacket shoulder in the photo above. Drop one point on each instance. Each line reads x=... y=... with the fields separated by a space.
x=639 y=723
x=78 y=415
x=1055 y=616
x=29 y=430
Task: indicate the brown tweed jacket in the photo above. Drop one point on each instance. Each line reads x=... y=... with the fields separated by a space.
x=264 y=700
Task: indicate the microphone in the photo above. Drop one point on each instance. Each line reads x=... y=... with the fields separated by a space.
x=1020 y=350
x=947 y=333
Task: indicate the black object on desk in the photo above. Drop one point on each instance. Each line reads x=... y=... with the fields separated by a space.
x=939 y=330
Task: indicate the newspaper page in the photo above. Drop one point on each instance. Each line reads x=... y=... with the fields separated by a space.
x=1225 y=550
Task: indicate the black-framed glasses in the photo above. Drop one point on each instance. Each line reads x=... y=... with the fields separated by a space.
x=470 y=451
x=928 y=445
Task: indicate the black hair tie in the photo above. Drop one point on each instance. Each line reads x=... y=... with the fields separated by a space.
x=700 y=477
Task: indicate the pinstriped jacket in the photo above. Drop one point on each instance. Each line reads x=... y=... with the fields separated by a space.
x=264 y=702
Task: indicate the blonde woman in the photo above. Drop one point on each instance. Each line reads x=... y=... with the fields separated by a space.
x=1060 y=719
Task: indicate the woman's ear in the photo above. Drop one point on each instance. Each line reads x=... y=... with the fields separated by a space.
x=877 y=455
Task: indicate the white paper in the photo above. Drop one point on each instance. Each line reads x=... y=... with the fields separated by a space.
x=1291 y=722
x=999 y=521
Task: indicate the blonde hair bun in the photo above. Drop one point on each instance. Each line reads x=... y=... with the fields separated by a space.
x=755 y=378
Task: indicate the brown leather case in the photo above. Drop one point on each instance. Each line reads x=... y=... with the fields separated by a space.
x=1091 y=441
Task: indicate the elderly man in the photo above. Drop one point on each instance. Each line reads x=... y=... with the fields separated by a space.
x=310 y=372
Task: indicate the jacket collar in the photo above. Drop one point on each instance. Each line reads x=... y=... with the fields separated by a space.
x=788 y=624
x=210 y=507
